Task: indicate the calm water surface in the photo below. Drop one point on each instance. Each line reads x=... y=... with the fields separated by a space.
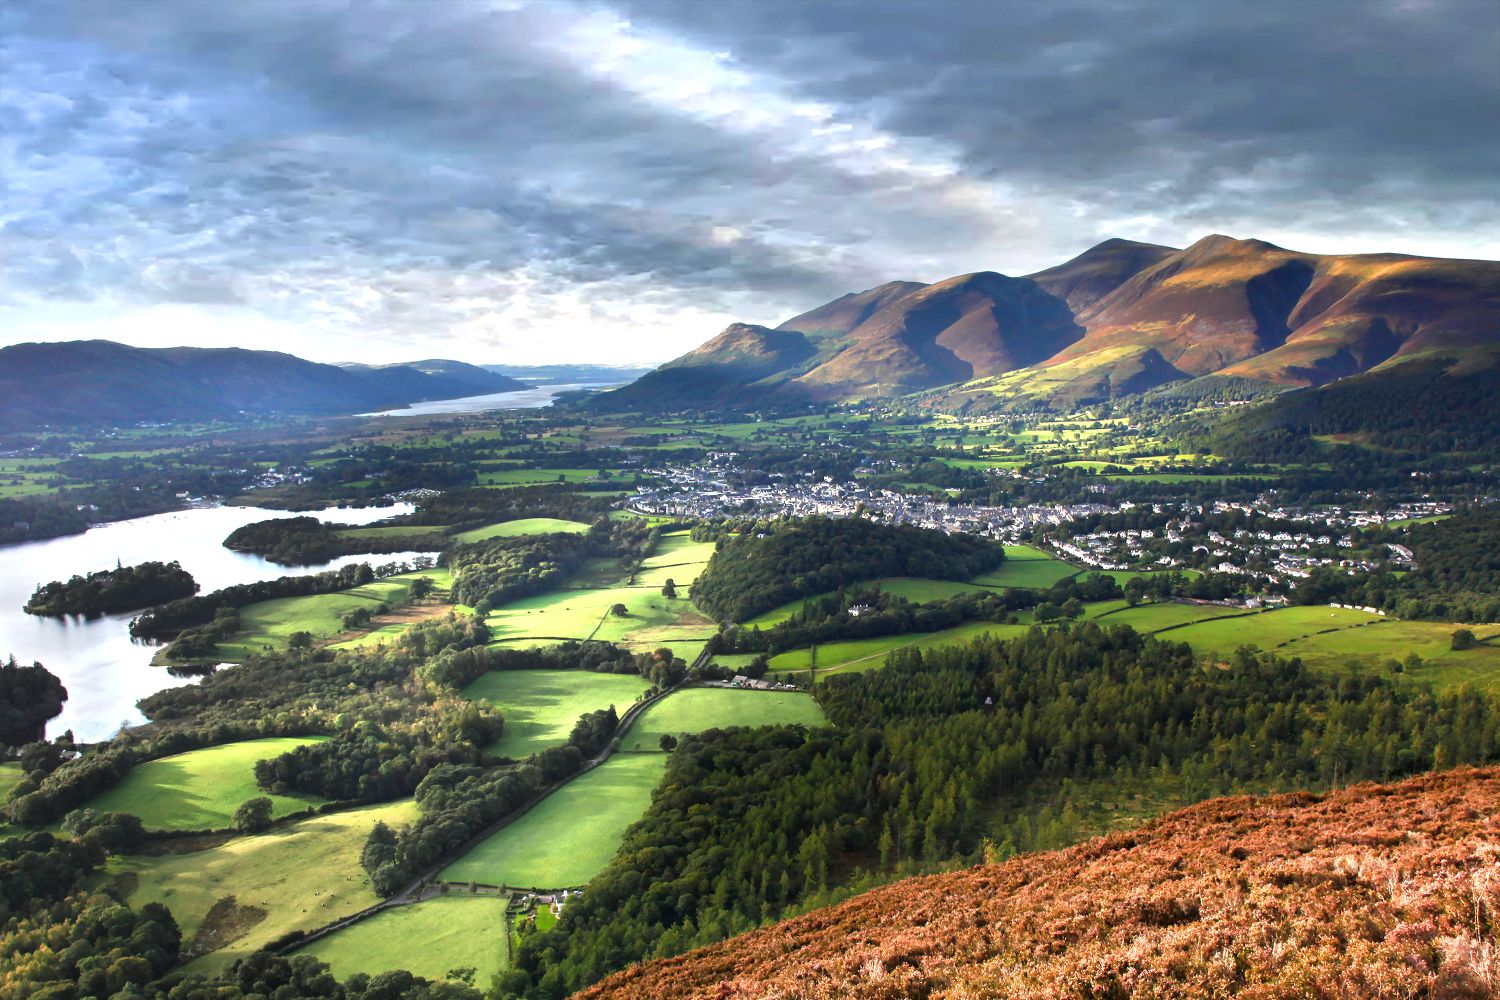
x=106 y=671
x=520 y=399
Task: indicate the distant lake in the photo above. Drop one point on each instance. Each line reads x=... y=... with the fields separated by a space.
x=520 y=399
x=104 y=670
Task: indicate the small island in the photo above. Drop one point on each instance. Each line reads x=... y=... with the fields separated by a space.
x=124 y=588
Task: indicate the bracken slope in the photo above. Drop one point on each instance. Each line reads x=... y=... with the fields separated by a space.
x=1376 y=891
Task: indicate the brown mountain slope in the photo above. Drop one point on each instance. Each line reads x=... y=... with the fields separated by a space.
x=1372 y=892
x=962 y=328
x=1244 y=307
x=1099 y=270
x=1122 y=317
x=846 y=312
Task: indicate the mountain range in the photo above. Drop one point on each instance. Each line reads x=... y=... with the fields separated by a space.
x=1122 y=317
x=101 y=382
x=1371 y=891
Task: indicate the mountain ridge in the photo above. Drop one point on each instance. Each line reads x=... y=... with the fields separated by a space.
x=75 y=383
x=1121 y=317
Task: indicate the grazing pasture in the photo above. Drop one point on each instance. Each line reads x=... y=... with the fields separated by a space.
x=582 y=610
x=697 y=709
x=541 y=706
x=271 y=623
x=523 y=526
x=1387 y=639
x=427 y=939
x=1025 y=566
x=1165 y=614
x=233 y=898
x=859 y=655
x=533 y=477
x=201 y=789
x=570 y=835
x=1269 y=630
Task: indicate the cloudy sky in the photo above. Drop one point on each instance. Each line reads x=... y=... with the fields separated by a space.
x=504 y=180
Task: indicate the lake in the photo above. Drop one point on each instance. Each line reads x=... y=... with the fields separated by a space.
x=519 y=399
x=104 y=670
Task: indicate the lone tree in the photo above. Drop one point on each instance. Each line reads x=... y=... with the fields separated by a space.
x=1463 y=639
x=619 y=611
x=253 y=816
x=299 y=640
x=668 y=742
x=669 y=589
x=421 y=587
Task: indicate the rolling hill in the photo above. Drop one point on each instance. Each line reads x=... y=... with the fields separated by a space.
x=1120 y=318
x=1372 y=891
x=100 y=382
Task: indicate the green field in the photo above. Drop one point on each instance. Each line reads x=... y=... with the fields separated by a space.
x=1268 y=630
x=697 y=709
x=1025 y=566
x=10 y=776
x=570 y=835
x=234 y=898
x=1386 y=639
x=541 y=706
x=533 y=477
x=200 y=789
x=523 y=526
x=582 y=612
x=1151 y=617
x=271 y=623
x=427 y=939
x=678 y=558
x=858 y=655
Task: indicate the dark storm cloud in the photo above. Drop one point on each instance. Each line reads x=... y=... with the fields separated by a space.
x=1088 y=91
x=613 y=177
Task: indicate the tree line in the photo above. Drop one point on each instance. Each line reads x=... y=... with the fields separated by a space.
x=124 y=588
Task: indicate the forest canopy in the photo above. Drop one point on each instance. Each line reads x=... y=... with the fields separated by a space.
x=756 y=571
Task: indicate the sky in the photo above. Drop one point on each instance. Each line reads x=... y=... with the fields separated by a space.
x=535 y=182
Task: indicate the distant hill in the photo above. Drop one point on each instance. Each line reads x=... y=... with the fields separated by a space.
x=1373 y=891
x=101 y=382
x=569 y=374
x=1120 y=318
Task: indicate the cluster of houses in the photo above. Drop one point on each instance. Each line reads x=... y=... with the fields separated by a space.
x=716 y=489
x=710 y=491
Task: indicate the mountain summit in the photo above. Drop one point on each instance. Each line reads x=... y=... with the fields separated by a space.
x=1120 y=317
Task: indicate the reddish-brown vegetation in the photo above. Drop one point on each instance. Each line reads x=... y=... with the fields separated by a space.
x=1372 y=892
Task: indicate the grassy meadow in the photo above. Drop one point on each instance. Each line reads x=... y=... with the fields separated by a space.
x=271 y=623
x=427 y=939
x=523 y=526
x=858 y=655
x=235 y=897
x=697 y=709
x=570 y=835
x=200 y=789
x=541 y=706
x=1025 y=566
x=581 y=610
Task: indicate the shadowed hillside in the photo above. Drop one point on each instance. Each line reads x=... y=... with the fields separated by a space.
x=1374 y=891
x=90 y=382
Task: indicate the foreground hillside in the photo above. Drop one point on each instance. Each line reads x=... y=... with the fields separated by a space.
x=1119 y=318
x=1374 y=891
